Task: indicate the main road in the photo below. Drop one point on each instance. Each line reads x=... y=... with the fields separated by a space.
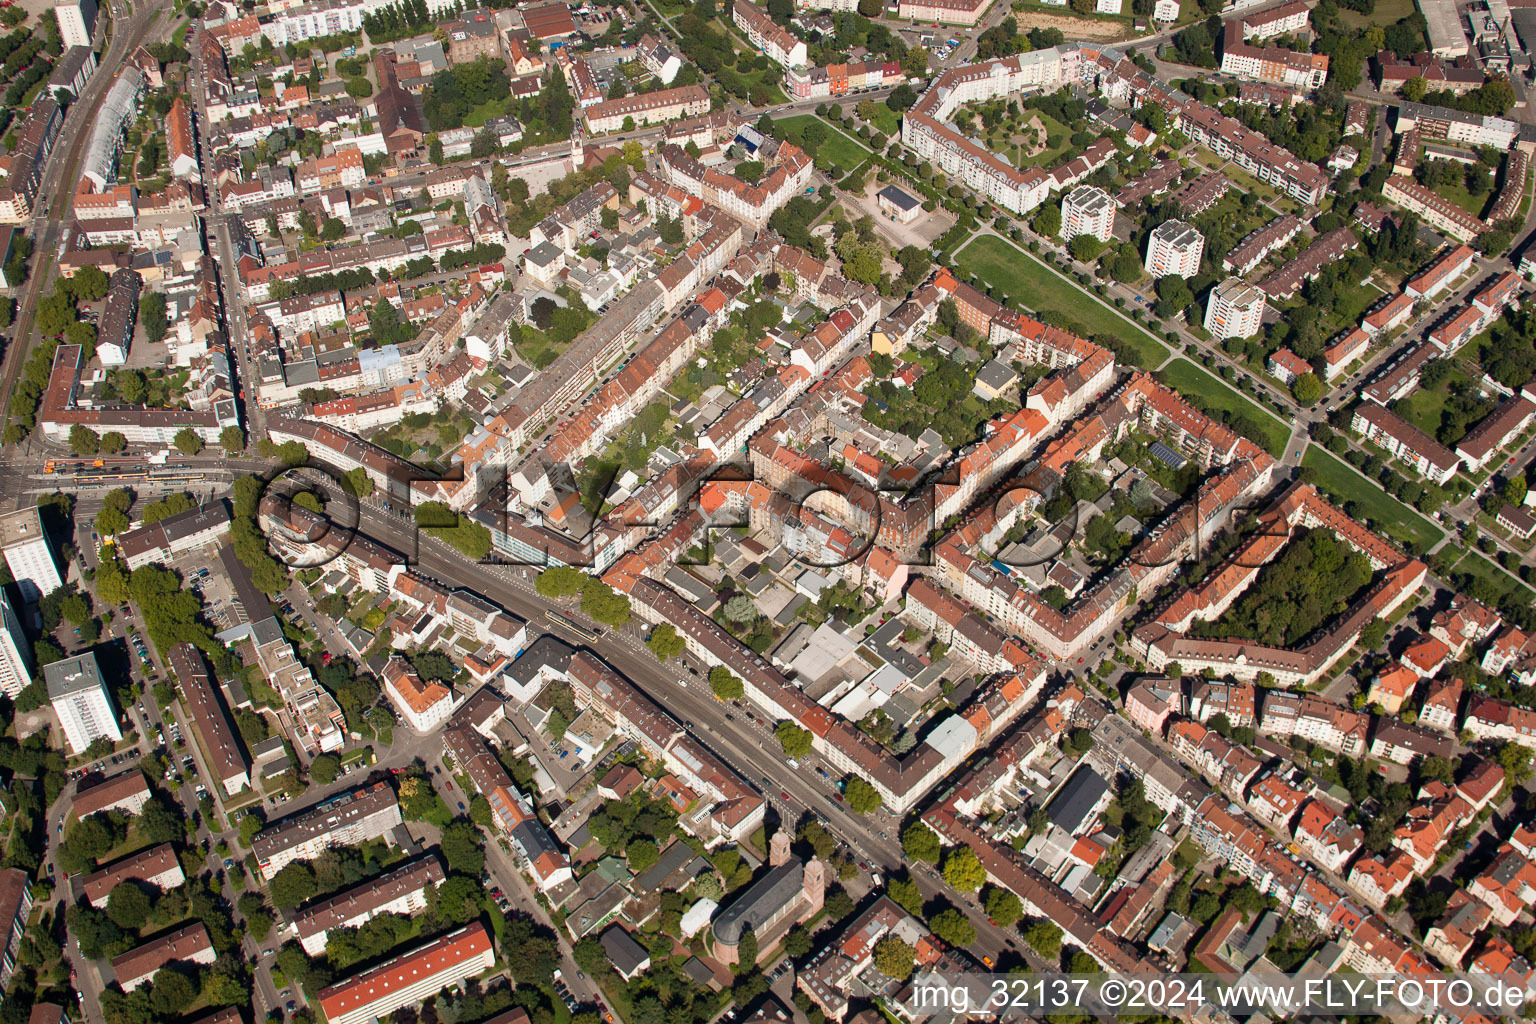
x=55 y=194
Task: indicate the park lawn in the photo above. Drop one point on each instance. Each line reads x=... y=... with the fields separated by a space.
x=1058 y=139
x=537 y=348
x=1096 y=33
x=1386 y=12
x=1351 y=307
x=886 y=120
x=1247 y=182
x=1475 y=352
x=1342 y=483
x=840 y=149
x=1018 y=277
x=1188 y=379
x=1456 y=192
x=477 y=116
x=1425 y=406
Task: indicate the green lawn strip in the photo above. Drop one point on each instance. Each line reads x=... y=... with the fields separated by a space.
x=1016 y=276
x=1188 y=379
x=1476 y=566
x=1342 y=483
x=841 y=149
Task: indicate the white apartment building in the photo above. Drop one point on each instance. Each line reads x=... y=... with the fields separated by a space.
x=409 y=978
x=346 y=819
x=424 y=703
x=777 y=42
x=294 y=23
x=15 y=654
x=1087 y=210
x=81 y=701
x=647 y=108
x=1174 y=247
x=28 y=554
x=77 y=20
x=1235 y=309
x=1293 y=17
x=401 y=890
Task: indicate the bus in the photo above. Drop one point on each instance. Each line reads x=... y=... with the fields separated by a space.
x=581 y=631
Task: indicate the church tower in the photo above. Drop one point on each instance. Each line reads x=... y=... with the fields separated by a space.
x=814 y=887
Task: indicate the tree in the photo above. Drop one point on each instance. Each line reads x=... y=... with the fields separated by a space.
x=187 y=442
x=1173 y=294
x=795 y=741
x=232 y=439
x=1045 y=937
x=915 y=63
x=89 y=284
x=838 y=905
x=963 y=870
x=894 y=958
x=1414 y=89
x=642 y=855
x=462 y=847
x=862 y=797
x=172 y=993
x=746 y=951
x=111 y=521
x=1126 y=266
x=1085 y=248
x=559 y=581
x=1515 y=490
x=740 y=608
x=152 y=314
x=921 y=843
x=725 y=683
x=1437 y=769
x=325 y=768
x=665 y=643
x=1002 y=906
x=83 y=440
x=82 y=334
x=601 y=602
x=1307 y=389
x=129 y=907
x=359 y=88
x=293 y=884
x=670 y=230
x=953 y=927
x=113 y=442
x=1047 y=222
x=132 y=387
x=1373 y=634
x=1516 y=762
x=907 y=894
